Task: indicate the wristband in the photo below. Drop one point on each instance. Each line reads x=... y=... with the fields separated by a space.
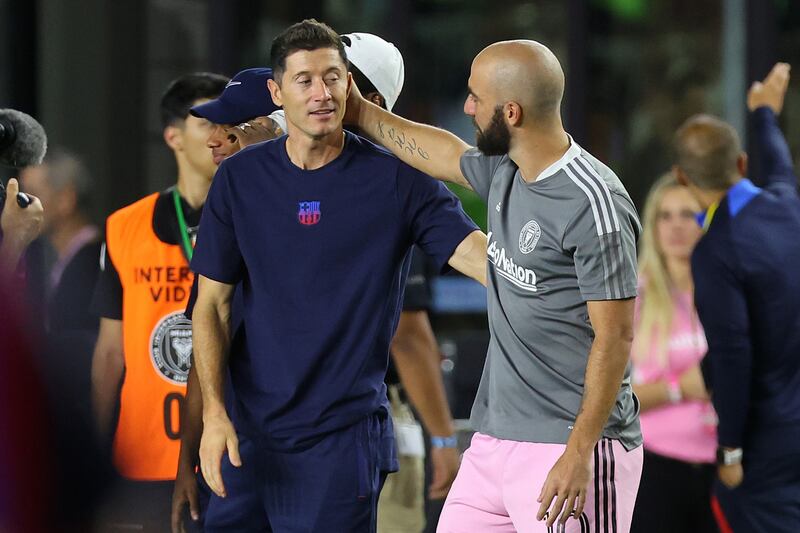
x=674 y=390
x=444 y=442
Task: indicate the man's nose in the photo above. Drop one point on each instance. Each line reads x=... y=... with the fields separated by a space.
x=214 y=140
x=469 y=107
x=321 y=90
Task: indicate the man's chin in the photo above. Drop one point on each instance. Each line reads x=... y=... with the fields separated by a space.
x=322 y=133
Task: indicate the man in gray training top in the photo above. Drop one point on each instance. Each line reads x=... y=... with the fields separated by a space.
x=554 y=409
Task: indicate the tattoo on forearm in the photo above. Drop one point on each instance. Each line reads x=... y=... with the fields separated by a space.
x=404 y=143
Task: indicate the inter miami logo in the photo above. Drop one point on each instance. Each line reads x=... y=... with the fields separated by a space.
x=309 y=213
x=529 y=236
x=171 y=347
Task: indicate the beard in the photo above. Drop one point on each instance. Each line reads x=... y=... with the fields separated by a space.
x=495 y=139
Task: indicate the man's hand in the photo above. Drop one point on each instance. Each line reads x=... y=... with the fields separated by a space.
x=184 y=493
x=567 y=483
x=731 y=475
x=353 y=105
x=692 y=385
x=218 y=436
x=444 y=463
x=20 y=225
x=254 y=132
x=771 y=91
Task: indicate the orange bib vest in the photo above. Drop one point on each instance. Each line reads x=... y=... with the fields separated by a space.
x=157 y=340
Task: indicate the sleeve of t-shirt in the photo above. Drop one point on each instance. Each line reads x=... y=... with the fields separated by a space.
x=602 y=241
x=192 y=299
x=479 y=169
x=216 y=254
x=107 y=296
x=433 y=214
x=417 y=296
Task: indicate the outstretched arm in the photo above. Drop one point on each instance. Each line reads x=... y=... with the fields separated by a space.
x=431 y=150
x=765 y=101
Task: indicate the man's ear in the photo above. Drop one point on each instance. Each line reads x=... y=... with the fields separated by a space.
x=680 y=176
x=376 y=98
x=741 y=164
x=173 y=136
x=275 y=92
x=512 y=112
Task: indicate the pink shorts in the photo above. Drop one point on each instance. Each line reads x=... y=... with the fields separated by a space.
x=499 y=480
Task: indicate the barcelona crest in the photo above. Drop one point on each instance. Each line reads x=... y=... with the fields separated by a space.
x=309 y=213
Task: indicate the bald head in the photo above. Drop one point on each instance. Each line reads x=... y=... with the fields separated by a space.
x=708 y=151
x=525 y=72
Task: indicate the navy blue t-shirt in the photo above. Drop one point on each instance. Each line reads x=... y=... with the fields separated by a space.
x=320 y=255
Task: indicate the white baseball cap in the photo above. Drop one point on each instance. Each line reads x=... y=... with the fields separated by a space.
x=380 y=61
x=279 y=118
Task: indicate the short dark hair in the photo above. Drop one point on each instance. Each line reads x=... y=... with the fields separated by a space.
x=707 y=149
x=183 y=92
x=306 y=35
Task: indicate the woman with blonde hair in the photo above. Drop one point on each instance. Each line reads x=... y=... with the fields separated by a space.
x=678 y=422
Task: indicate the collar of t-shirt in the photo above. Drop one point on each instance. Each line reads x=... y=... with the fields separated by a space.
x=165 y=220
x=572 y=152
x=348 y=148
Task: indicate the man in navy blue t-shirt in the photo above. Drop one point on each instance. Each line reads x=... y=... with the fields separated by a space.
x=316 y=226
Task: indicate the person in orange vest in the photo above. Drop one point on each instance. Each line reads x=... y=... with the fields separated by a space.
x=144 y=348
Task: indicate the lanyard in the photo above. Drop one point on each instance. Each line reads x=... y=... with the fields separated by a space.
x=710 y=215
x=188 y=250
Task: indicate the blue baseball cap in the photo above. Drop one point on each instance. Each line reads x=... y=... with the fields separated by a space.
x=245 y=97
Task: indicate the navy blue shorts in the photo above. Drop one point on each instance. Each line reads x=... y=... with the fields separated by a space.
x=331 y=486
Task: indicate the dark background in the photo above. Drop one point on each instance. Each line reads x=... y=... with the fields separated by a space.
x=92 y=70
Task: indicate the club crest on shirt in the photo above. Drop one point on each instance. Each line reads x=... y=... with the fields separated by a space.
x=171 y=347
x=309 y=213
x=529 y=236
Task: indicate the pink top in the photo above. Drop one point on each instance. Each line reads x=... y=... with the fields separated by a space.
x=686 y=431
